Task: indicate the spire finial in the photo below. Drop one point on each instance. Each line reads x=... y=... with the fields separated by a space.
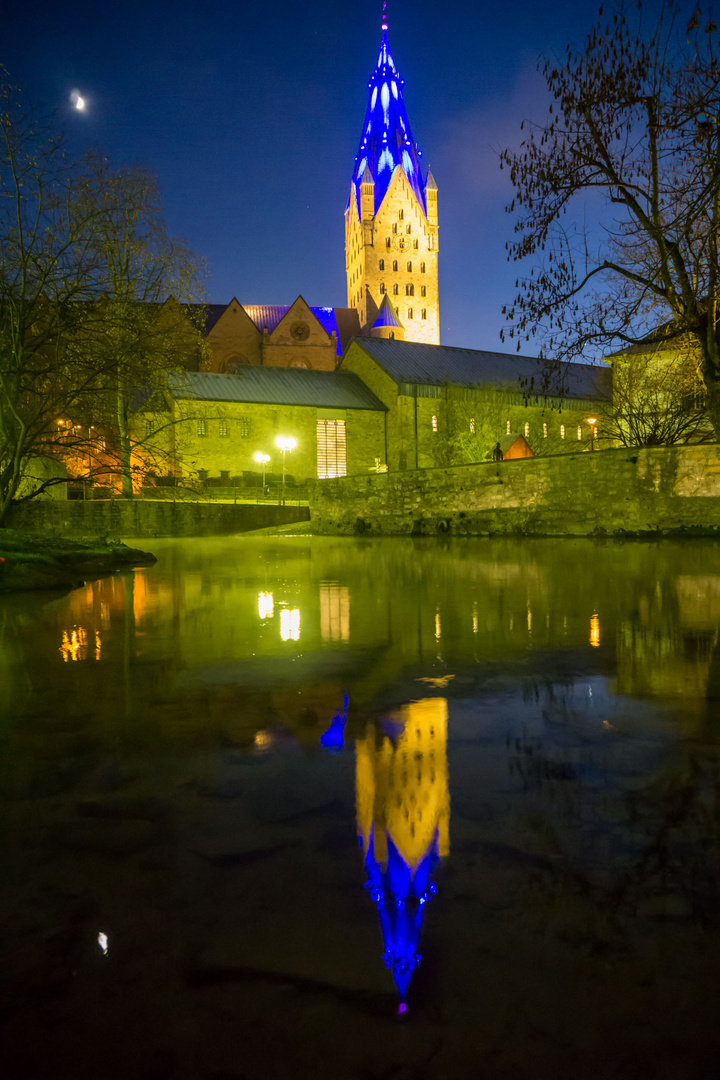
x=384 y=15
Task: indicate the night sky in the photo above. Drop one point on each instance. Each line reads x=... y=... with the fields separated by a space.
x=250 y=116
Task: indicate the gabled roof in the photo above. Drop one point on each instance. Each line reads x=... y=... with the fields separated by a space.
x=270 y=315
x=277 y=386
x=437 y=365
x=386 y=141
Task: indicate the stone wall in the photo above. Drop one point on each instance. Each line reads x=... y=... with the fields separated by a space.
x=119 y=519
x=664 y=490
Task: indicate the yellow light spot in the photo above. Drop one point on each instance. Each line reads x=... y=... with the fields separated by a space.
x=266 y=606
x=290 y=624
x=595 y=630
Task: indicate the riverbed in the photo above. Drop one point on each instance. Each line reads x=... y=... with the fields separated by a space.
x=300 y=807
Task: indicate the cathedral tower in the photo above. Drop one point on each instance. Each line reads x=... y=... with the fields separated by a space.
x=391 y=222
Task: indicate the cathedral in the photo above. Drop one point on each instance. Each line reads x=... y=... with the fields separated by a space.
x=367 y=387
x=391 y=256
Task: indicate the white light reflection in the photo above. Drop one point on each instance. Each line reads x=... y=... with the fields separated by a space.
x=290 y=624
x=103 y=943
x=266 y=606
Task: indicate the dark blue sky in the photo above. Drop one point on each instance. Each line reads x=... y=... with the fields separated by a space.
x=250 y=115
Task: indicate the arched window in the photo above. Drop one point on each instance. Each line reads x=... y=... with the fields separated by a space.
x=382 y=287
x=409 y=267
x=387 y=241
x=409 y=290
x=408 y=229
x=423 y=314
x=381 y=265
x=416 y=244
x=396 y=290
x=410 y=313
x=423 y=290
x=394 y=226
x=395 y=264
x=401 y=214
x=422 y=268
x=392 y=335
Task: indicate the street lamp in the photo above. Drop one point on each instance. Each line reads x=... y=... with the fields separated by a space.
x=262 y=459
x=592 y=421
x=284 y=444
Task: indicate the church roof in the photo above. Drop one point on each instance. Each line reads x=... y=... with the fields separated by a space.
x=344 y=321
x=436 y=365
x=387 y=315
x=386 y=141
x=277 y=386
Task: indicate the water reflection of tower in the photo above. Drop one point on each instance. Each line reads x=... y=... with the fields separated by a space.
x=403 y=811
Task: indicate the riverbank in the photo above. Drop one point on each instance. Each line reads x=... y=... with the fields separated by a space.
x=37 y=561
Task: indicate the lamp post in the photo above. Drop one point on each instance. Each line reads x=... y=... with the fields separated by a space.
x=592 y=421
x=284 y=445
x=262 y=459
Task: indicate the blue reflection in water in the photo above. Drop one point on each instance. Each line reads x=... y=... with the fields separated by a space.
x=334 y=737
x=403 y=810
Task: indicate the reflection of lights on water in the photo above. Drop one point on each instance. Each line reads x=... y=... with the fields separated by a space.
x=475 y=619
x=290 y=624
x=74 y=645
x=595 y=630
x=438 y=629
x=103 y=943
x=263 y=740
x=265 y=605
x=334 y=611
x=529 y=619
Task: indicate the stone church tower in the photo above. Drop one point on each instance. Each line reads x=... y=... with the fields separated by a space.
x=391 y=221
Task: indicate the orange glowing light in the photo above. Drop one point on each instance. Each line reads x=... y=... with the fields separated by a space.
x=595 y=630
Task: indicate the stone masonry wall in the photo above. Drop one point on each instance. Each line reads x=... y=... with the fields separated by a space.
x=140 y=518
x=663 y=490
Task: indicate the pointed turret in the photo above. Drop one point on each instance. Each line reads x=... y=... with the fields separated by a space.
x=387 y=324
x=386 y=139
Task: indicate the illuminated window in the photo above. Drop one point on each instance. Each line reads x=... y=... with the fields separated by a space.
x=244 y=427
x=396 y=290
x=410 y=313
x=472 y=425
x=544 y=431
x=395 y=264
x=331 y=449
x=422 y=267
x=381 y=265
x=409 y=290
x=202 y=427
x=224 y=428
x=562 y=431
x=507 y=428
x=527 y=430
x=434 y=423
x=579 y=433
x=409 y=266
x=423 y=314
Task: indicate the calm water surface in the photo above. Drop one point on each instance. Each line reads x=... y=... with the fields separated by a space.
x=302 y=807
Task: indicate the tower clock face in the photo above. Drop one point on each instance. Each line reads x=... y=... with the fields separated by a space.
x=300 y=331
x=400 y=242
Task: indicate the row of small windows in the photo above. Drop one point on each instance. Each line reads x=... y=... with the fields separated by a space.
x=381 y=266
x=545 y=430
x=223 y=429
x=408 y=228
x=434 y=421
x=409 y=290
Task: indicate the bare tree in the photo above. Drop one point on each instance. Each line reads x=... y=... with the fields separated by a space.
x=618 y=195
x=85 y=326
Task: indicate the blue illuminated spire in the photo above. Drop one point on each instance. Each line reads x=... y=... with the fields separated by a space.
x=386 y=139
